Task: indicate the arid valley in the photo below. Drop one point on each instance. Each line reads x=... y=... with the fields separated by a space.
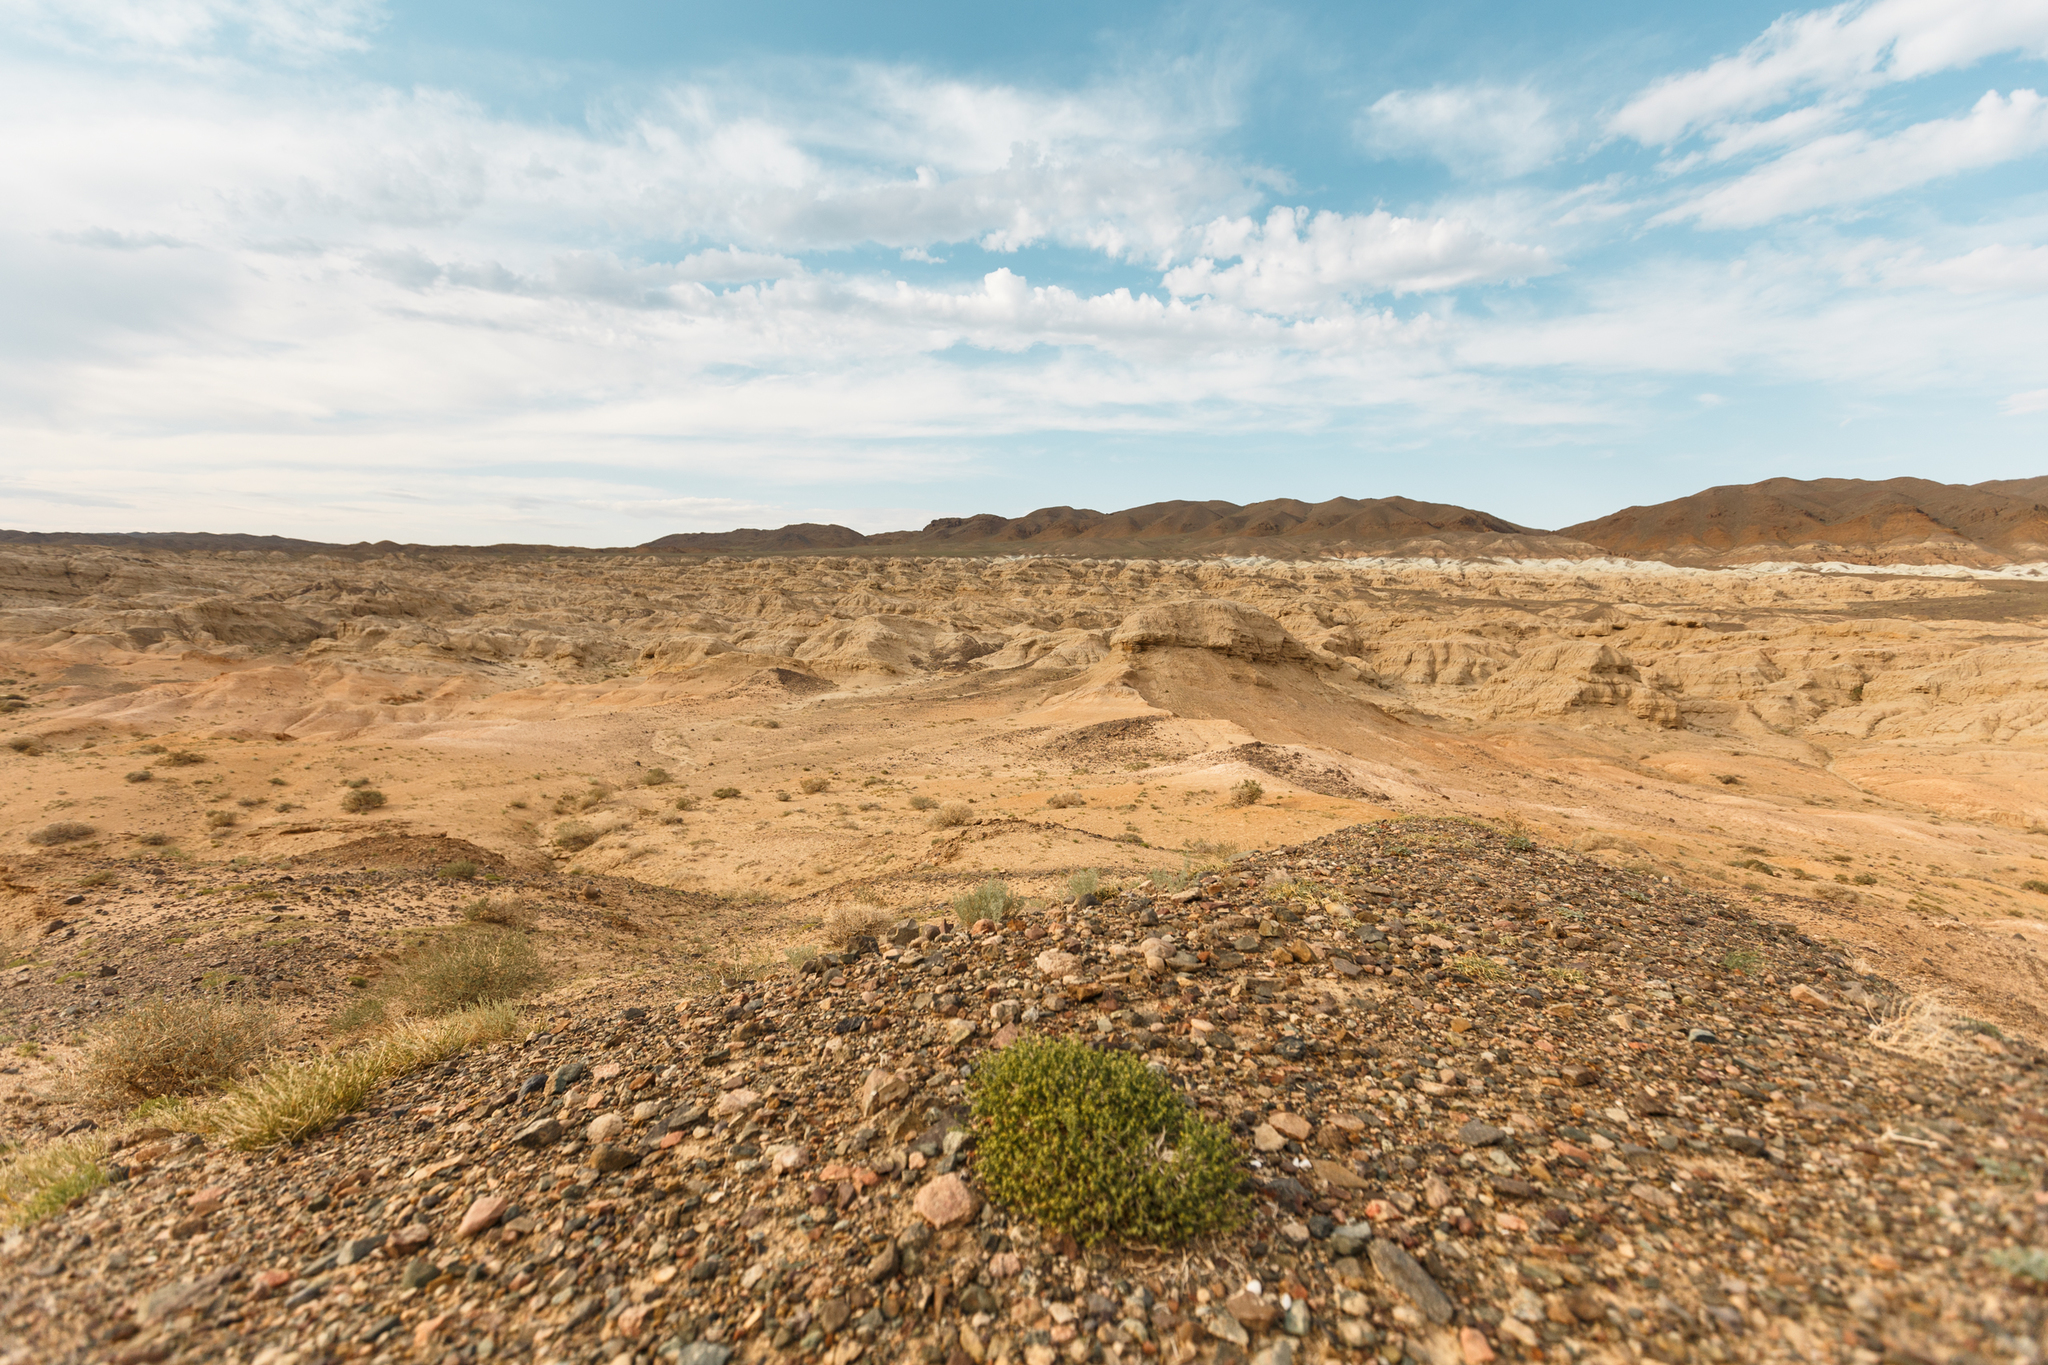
x=698 y=770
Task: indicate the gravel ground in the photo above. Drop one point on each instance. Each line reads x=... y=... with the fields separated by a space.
x=1495 y=1102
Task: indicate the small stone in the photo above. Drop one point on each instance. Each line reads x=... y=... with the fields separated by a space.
x=483 y=1215
x=1295 y=1231
x=1350 y=1239
x=606 y=1158
x=1473 y=1345
x=644 y=1112
x=946 y=1201
x=1279 y=1352
x=1056 y=964
x=1221 y=1325
x=409 y=1239
x=1295 y=1321
x=957 y=1031
x=357 y=1250
x=1479 y=1133
x=1293 y=1125
x=540 y=1133
x=1251 y=1311
x=1267 y=1138
x=1406 y=1275
x=603 y=1128
x=208 y=1200
x=1702 y=1036
x=784 y=1160
x=734 y=1102
x=1436 y=1191
x=566 y=1075
x=705 y=1353
x=883 y=1265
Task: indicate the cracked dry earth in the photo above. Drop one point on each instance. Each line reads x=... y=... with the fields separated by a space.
x=1496 y=1101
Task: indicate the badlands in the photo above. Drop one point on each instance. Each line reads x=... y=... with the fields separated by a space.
x=1822 y=788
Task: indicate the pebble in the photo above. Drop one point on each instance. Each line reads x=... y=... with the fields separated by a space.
x=946 y=1201
x=483 y=1215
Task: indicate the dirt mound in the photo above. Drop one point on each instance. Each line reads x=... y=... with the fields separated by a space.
x=408 y=852
x=1895 y=521
x=1229 y=628
x=1293 y=766
x=1126 y=739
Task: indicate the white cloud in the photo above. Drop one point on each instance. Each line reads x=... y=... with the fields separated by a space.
x=1475 y=129
x=2020 y=404
x=291 y=28
x=1848 y=48
x=1298 y=262
x=1856 y=167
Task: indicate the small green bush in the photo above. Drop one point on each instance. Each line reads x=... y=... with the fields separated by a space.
x=1099 y=1146
x=221 y=819
x=1083 y=883
x=470 y=966
x=1246 y=793
x=461 y=870
x=686 y=803
x=987 y=901
x=2034 y=884
x=62 y=832
x=724 y=793
x=362 y=799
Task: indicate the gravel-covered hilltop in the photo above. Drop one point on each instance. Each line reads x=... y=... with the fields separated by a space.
x=1494 y=1101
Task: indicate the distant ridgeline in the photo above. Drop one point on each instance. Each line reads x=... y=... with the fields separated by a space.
x=1894 y=521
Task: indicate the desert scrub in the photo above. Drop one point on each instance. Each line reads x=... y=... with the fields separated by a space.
x=1083 y=883
x=1246 y=793
x=175 y=1047
x=724 y=793
x=952 y=814
x=1099 y=1146
x=656 y=777
x=1066 y=800
x=574 y=836
x=221 y=819
x=461 y=870
x=362 y=799
x=987 y=901
x=510 y=912
x=686 y=803
x=923 y=803
x=182 y=758
x=62 y=832
x=813 y=785
x=140 y=775
x=471 y=966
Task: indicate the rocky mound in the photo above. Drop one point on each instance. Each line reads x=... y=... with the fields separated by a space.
x=1857 y=521
x=1494 y=1101
x=1230 y=628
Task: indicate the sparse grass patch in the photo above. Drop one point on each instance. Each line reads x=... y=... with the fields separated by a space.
x=175 y=1047
x=1920 y=1026
x=952 y=814
x=2032 y=884
x=62 y=832
x=923 y=803
x=574 y=836
x=140 y=775
x=686 y=802
x=152 y=839
x=509 y=912
x=221 y=819
x=1066 y=800
x=1740 y=960
x=1083 y=883
x=461 y=870
x=361 y=800
x=27 y=745
x=100 y=878
x=846 y=923
x=724 y=793
x=1246 y=793
x=1565 y=976
x=656 y=777
x=183 y=758
x=40 y=1181
x=1479 y=968
x=813 y=785
x=479 y=965
x=1097 y=1145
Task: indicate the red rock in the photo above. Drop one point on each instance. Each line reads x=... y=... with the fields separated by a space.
x=483 y=1215
x=1472 y=1342
x=1293 y=1125
x=946 y=1202
x=208 y=1199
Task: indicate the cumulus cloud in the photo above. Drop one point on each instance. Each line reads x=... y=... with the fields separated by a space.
x=1856 y=167
x=291 y=28
x=1474 y=129
x=1851 y=47
x=1297 y=262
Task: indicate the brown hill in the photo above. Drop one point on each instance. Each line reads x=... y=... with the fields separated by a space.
x=1280 y=527
x=1893 y=521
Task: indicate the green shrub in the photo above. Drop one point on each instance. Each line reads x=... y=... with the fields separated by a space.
x=461 y=870
x=990 y=900
x=724 y=793
x=362 y=799
x=656 y=777
x=1083 y=883
x=1099 y=1146
x=62 y=832
x=686 y=803
x=175 y=1047
x=141 y=775
x=221 y=819
x=575 y=836
x=2035 y=884
x=1521 y=843
x=1246 y=793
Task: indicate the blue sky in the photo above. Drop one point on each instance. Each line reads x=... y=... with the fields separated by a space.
x=475 y=272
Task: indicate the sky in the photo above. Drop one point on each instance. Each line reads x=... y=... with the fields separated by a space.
x=490 y=270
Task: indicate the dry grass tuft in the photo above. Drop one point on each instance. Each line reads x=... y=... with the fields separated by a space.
x=813 y=785
x=62 y=832
x=510 y=912
x=1246 y=793
x=1920 y=1026
x=479 y=965
x=175 y=1047
x=40 y=1181
x=845 y=923
x=1066 y=800
x=952 y=815
x=362 y=800
x=923 y=803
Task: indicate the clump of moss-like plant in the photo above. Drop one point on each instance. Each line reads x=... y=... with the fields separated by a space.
x=1099 y=1146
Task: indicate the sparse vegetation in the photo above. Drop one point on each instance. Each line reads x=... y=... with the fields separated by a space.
x=813 y=785
x=686 y=802
x=511 y=912
x=952 y=814
x=478 y=965
x=656 y=777
x=183 y=758
x=2032 y=884
x=844 y=924
x=1066 y=800
x=61 y=832
x=27 y=745
x=1083 y=883
x=37 y=1183
x=139 y=775
x=153 y=839
x=724 y=793
x=574 y=836
x=1098 y=1146
x=1739 y=960
x=1479 y=968
x=923 y=803
x=175 y=1047
x=990 y=900
x=361 y=800
x=1246 y=793
x=1919 y=1026
x=221 y=819
x=461 y=870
